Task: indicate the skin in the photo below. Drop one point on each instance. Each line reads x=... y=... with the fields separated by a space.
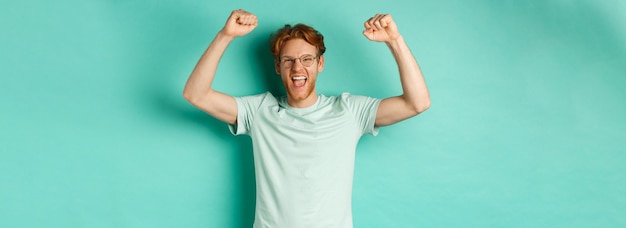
x=300 y=97
x=381 y=28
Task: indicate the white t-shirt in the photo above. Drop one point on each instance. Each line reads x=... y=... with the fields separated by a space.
x=304 y=157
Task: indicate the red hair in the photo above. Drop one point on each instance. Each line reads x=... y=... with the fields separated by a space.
x=298 y=31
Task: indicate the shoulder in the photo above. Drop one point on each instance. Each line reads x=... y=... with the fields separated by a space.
x=355 y=103
x=251 y=103
x=258 y=98
x=346 y=97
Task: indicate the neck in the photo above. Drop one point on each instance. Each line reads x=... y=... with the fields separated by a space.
x=305 y=103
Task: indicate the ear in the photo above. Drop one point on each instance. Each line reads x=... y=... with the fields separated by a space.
x=277 y=66
x=320 y=64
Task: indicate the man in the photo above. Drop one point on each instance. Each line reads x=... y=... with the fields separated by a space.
x=304 y=143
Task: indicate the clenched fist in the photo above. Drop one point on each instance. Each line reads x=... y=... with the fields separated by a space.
x=240 y=23
x=381 y=28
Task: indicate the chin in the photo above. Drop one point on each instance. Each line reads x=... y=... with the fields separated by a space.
x=298 y=96
x=301 y=95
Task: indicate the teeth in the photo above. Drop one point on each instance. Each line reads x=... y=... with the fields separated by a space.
x=298 y=78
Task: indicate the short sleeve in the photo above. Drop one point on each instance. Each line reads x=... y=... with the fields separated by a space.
x=247 y=107
x=364 y=110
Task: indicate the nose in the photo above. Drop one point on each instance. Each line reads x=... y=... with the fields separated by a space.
x=297 y=64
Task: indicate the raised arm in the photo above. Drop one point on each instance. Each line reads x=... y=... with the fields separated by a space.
x=198 y=90
x=415 y=98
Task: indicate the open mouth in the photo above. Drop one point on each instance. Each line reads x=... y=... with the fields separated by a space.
x=298 y=81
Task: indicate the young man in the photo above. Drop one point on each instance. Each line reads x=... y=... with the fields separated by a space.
x=304 y=143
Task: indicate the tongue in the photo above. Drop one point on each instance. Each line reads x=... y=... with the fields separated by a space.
x=299 y=83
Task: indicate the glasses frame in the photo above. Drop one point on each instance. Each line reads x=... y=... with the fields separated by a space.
x=288 y=62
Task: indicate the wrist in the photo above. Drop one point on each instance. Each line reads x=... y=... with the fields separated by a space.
x=222 y=35
x=395 y=41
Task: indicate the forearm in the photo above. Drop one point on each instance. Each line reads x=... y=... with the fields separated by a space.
x=415 y=91
x=201 y=78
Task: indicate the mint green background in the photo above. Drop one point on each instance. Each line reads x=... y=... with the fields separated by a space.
x=526 y=129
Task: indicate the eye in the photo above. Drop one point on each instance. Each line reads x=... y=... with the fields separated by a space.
x=308 y=58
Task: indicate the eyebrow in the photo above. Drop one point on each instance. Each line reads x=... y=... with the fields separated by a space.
x=289 y=56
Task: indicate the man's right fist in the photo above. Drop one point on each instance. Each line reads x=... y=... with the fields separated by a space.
x=240 y=23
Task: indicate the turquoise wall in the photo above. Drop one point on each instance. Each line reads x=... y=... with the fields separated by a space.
x=526 y=129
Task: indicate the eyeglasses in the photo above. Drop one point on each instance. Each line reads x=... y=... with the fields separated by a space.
x=305 y=60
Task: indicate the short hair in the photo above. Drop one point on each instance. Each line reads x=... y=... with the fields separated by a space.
x=298 y=31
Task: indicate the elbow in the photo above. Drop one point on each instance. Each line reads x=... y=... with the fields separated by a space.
x=421 y=106
x=190 y=97
x=187 y=95
x=197 y=98
x=416 y=104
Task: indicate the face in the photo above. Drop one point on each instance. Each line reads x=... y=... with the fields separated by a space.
x=299 y=80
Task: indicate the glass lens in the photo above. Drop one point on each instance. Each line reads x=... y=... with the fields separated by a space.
x=287 y=62
x=305 y=60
